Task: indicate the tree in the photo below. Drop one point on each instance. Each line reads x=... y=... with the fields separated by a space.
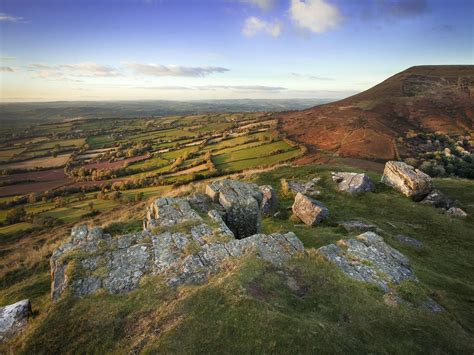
x=16 y=215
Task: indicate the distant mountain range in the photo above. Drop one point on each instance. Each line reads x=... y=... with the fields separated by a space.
x=424 y=99
x=130 y=109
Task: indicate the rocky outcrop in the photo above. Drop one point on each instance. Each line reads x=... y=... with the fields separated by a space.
x=310 y=211
x=269 y=199
x=368 y=258
x=456 y=212
x=13 y=319
x=437 y=199
x=308 y=188
x=409 y=181
x=353 y=183
x=242 y=202
x=177 y=242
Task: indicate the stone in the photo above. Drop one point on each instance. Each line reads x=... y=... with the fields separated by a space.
x=269 y=200
x=13 y=319
x=406 y=179
x=357 y=226
x=369 y=259
x=456 y=212
x=169 y=211
x=170 y=246
x=242 y=202
x=310 y=211
x=353 y=183
x=415 y=243
x=437 y=199
x=306 y=188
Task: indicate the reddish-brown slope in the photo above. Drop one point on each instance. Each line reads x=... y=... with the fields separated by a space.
x=423 y=98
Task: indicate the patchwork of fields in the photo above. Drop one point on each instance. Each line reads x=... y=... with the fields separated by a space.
x=59 y=173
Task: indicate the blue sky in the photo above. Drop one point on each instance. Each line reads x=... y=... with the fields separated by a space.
x=205 y=49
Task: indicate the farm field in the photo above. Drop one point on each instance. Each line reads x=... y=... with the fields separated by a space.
x=58 y=173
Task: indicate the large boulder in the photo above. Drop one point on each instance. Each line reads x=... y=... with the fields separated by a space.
x=187 y=250
x=368 y=258
x=353 y=183
x=269 y=200
x=13 y=319
x=310 y=211
x=405 y=178
x=241 y=202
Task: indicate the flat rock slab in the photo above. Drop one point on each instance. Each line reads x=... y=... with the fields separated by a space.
x=404 y=239
x=405 y=178
x=310 y=211
x=169 y=211
x=353 y=183
x=13 y=319
x=456 y=212
x=305 y=187
x=357 y=226
x=437 y=199
x=369 y=259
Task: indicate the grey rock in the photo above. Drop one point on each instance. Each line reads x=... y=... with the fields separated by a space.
x=437 y=199
x=369 y=259
x=406 y=179
x=310 y=211
x=13 y=319
x=456 y=212
x=241 y=202
x=357 y=226
x=415 y=243
x=353 y=183
x=169 y=211
x=306 y=188
x=269 y=200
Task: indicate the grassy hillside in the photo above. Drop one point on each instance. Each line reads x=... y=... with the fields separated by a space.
x=307 y=307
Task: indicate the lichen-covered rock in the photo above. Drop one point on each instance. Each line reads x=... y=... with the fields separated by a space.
x=13 y=319
x=456 y=212
x=405 y=178
x=353 y=183
x=166 y=212
x=182 y=246
x=269 y=200
x=368 y=258
x=357 y=226
x=310 y=211
x=308 y=188
x=437 y=199
x=241 y=202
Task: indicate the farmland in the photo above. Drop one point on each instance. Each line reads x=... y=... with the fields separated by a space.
x=61 y=171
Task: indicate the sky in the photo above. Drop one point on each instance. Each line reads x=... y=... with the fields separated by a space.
x=221 y=49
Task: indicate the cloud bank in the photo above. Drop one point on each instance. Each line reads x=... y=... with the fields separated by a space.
x=172 y=70
x=254 y=25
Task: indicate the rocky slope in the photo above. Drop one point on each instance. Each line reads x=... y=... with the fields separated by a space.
x=419 y=99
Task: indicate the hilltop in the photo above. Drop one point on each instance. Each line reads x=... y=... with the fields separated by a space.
x=422 y=103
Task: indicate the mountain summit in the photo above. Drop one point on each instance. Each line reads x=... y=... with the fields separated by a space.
x=426 y=99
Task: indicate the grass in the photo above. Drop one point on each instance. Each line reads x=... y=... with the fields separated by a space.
x=14 y=228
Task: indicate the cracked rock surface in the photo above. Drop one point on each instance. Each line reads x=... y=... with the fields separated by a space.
x=13 y=319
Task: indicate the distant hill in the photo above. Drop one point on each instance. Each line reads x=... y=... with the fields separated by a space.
x=144 y=108
x=424 y=99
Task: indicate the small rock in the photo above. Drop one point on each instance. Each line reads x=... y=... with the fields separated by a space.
x=437 y=199
x=409 y=241
x=405 y=178
x=353 y=183
x=306 y=188
x=13 y=319
x=270 y=199
x=310 y=211
x=456 y=212
x=357 y=226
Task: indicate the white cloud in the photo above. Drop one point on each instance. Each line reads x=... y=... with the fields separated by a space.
x=254 y=25
x=68 y=71
x=315 y=15
x=7 y=69
x=152 y=69
x=263 y=4
x=10 y=18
